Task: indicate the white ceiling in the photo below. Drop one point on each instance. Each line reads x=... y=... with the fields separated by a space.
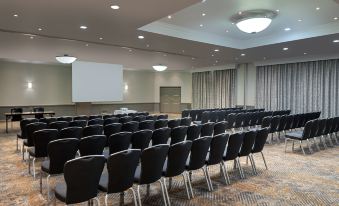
x=179 y=42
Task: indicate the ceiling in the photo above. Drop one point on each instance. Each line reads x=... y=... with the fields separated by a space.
x=178 y=42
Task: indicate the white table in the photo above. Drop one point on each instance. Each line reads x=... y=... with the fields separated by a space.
x=119 y=111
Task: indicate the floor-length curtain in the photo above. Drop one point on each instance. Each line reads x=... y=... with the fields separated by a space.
x=301 y=87
x=214 y=89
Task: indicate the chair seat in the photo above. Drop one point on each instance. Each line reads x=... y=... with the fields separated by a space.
x=31 y=151
x=45 y=166
x=103 y=184
x=60 y=191
x=294 y=135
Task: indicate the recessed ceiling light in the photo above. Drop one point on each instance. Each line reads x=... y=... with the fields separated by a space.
x=216 y=50
x=31 y=37
x=287 y=29
x=130 y=50
x=141 y=37
x=115 y=7
x=227 y=31
x=264 y=58
x=300 y=20
x=169 y=17
x=165 y=55
x=83 y=27
x=147 y=45
x=183 y=51
x=285 y=49
x=277 y=10
x=193 y=58
x=40 y=29
x=203 y=14
x=318 y=8
x=15 y=15
x=232 y=22
x=335 y=18
x=305 y=53
x=100 y=38
x=86 y=44
x=201 y=25
x=336 y=41
x=243 y=55
x=212 y=55
x=216 y=61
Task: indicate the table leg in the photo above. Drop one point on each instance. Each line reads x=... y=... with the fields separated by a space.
x=6 y=124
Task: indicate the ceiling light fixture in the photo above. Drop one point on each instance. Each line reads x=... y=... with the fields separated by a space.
x=141 y=37
x=317 y=8
x=101 y=38
x=83 y=27
x=201 y=25
x=285 y=49
x=31 y=37
x=300 y=20
x=115 y=7
x=40 y=29
x=169 y=17
x=253 y=21
x=15 y=15
x=203 y=14
x=287 y=29
x=243 y=55
x=336 y=41
x=159 y=67
x=66 y=59
x=335 y=18
x=216 y=50
x=305 y=53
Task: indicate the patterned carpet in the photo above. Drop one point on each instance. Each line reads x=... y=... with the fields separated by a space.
x=292 y=179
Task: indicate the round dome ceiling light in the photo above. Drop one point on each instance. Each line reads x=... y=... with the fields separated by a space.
x=66 y=59
x=253 y=21
x=159 y=67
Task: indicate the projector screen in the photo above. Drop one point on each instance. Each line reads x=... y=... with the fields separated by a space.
x=96 y=82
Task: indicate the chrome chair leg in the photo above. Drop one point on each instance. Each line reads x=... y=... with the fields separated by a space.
x=206 y=178
x=209 y=178
x=163 y=192
x=252 y=164
x=300 y=142
x=190 y=184
x=186 y=186
x=227 y=179
x=263 y=157
x=285 y=144
x=48 y=195
x=166 y=193
x=239 y=168
x=330 y=140
x=41 y=182
x=292 y=145
x=106 y=199
x=309 y=146
x=33 y=165
x=97 y=201
x=134 y=196
x=316 y=143
x=335 y=138
x=138 y=194
x=29 y=164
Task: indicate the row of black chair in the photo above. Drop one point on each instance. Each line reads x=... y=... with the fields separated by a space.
x=170 y=162
x=196 y=114
x=313 y=129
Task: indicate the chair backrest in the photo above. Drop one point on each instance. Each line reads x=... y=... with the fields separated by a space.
x=246 y=118
x=177 y=157
x=329 y=125
x=161 y=136
x=321 y=127
x=23 y=128
x=313 y=129
x=186 y=121
x=48 y=120
x=31 y=128
x=217 y=148
x=96 y=121
x=82 y=176
x=17 y=116
x=112 y=129
x=199 y=152
x=275 y=121
x=185 y=113
x=152 y=117
x=233 y=146
x=65 y=118
x=37 y=110
x=221 y=115
x=125 y=119
x=335 y=125
x=173 y=123
x=238 y=120
x=282 y=123
x=141 y=139
x=92 y=145
x=160 y=123
x=139 y=118
x=266 y=122
x=178 y=134
x=108 y=116
x=207 y=129
x=163 y=116
x=220 y=127
x=260 y=140
x=193 y=114
x=94 y=117
x=81 y=117
x=111 y=120
x=131 y=126
x=59 y=152
x=92 y=130
x=248 y=143
x=41 y=138
x=78 y=123
x=119 y=142
x=289 y=122
x=231 y=119
x=151 y=167
x=193 y=132
x=296 y=120
x=205 y=117
x=59 y=125
x=70 y=132
x=147 y=124
x=121 y=168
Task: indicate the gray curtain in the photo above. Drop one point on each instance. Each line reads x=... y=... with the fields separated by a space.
x=301 y=87
x=214 y=89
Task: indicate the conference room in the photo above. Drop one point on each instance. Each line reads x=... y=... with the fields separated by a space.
x=168 y=102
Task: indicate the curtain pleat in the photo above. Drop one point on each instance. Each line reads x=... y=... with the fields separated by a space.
x=301 y=87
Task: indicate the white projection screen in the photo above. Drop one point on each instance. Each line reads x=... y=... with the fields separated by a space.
x=96 y=82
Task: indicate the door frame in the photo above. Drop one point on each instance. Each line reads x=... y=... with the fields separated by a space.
x=160 y=110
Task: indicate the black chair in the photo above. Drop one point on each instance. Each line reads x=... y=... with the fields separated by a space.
x=186 y=121
x=132 y=126
x=282 y=125
x=300 y=136
x=173 y=123
x=121 y=168
x=163 y=116
x=321 y=132
x=109 y=116
x=194 y=114
x=160 y=123
x=65 y=118
x=205 y=116
x=150 y=169
x=119 y=142
x=78 y=123
x=221 y=115
x=152 y=117
x=238 y=121
x=231 y=118
x=220 y=128
x=207 y=129
x=266 y=123
x=139 y=118
x=59 y=125
x=92 y=145
x=95 y=122
x=92 y=130
x=81 y=117
x=161 y=136
x=296 y=119
x=16 y=115
x=111 y=121
x=213 y=116
x=185 y=113
x=246 y=148
x=232 y=151
x=82 y=176
x=178 y=134
x=334 y=129
x=125 y=119
x=147 y=124
x=275 y=121
x=259 y=144
x=289 y=123
x=30 y=129
x=112 y=129
x=48 y=120
x=215 y=155
x=70 y=132
x=197 y=159
x=94 y=117
x=41 y=138
x=59 y=152
x=175 y=164
x=37 y=110
x=193 y=132
x=23 y=134
x=141 y=139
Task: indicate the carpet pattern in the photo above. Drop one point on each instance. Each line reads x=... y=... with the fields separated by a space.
x=291 y=179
